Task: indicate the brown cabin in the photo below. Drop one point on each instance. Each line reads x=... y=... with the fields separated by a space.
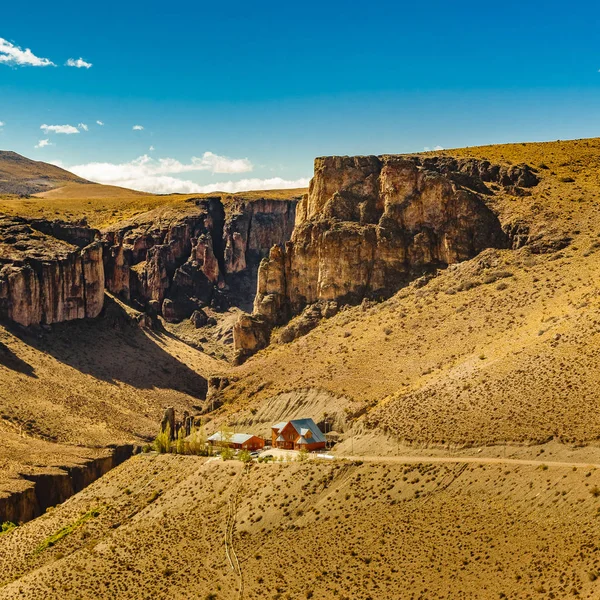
x=297 y=434
x=238 y=441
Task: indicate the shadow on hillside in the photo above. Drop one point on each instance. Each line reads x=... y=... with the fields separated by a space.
x=115 y=349
x=11 y=361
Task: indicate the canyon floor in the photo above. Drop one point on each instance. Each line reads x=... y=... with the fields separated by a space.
x=466 y=407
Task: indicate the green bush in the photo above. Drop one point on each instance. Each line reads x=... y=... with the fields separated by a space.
x=302 y=455
x=180 y=443
x=7 y=527
x=162 y=443
x=244 y=456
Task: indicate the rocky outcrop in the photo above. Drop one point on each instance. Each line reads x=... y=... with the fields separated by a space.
x=371 y=224
x=251 y=333
x=168 y=422
x=173 y=262
x=46 y=278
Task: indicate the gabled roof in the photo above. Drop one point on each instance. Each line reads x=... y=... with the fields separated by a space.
x=302 y=427
x=236 y=438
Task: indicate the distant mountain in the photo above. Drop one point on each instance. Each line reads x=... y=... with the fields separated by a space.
x=23 y=176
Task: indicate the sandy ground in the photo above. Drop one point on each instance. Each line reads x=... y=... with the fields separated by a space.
x=167 y=527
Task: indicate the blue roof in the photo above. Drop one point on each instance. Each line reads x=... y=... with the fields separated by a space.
x=302 y=427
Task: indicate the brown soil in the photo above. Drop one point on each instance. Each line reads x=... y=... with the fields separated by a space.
x=341 y=530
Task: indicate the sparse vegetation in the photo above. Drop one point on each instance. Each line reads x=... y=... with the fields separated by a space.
x=62 y=533
x=7 y=527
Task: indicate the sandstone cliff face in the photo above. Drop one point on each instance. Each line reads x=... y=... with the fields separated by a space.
x=370 y=224
x=173 y=262
x=44 y=279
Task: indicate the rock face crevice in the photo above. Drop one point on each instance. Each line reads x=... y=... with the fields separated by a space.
x=57 y=485
x=371 y=224
x=48 y=278
x=175 y=263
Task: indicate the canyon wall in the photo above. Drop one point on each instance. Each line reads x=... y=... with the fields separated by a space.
x=53 y=487
x=46 y=279
x=371 y=224
x=172 y=262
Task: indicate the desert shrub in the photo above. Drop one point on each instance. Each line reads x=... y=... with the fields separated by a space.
x=227 y=453
x=302 y=455
x=595 y=491
x=495 y=275
x=467 y=285
x=7 y=527
x=244 y=456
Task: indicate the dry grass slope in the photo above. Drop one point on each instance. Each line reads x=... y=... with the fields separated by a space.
x=90 y=384
x=105 y=205
x=502 y=347
x=155 y=528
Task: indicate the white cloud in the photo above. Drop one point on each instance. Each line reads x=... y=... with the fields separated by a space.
x=83 y=126
x=137 y=128
x=66 y=129
x=43 y=143
x=15 y=56
x=101 y=123
x=245 y=185
x=428 y=149
x=78 y=63
x=156 y=175
x=151 y=148
x=2 y=123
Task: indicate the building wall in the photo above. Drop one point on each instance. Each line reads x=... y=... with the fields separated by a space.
x=254 y=443
x=313 y=446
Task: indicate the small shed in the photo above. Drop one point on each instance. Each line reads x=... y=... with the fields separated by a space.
x=238 y=441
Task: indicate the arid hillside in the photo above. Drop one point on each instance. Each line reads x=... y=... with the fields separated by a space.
x=22 y=176
x=184 y=527
x=85 y=385
x=105 y=205
x=500 y=347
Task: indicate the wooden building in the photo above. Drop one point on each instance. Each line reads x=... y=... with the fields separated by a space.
x=238 y=441
x=297 y=434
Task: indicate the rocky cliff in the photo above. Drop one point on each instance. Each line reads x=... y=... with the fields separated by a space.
x=369 y=225
x=49 y=271
x=173 y=262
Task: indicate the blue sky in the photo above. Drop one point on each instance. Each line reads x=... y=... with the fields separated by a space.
x=255 y=90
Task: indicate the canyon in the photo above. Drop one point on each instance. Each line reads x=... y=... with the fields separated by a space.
x=436 y=314
x=168 y=263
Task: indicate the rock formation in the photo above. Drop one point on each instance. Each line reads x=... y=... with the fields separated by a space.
x=174 y=262
x=49 y=272
x=168 y=421
x=369 y=225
